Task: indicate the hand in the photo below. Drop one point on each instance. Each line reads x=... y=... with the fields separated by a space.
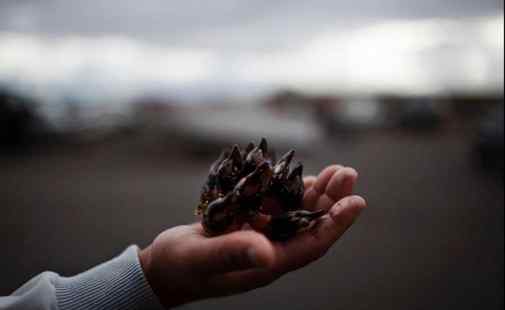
x=183 y=264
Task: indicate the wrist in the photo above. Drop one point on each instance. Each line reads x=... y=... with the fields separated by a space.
x=145 y=262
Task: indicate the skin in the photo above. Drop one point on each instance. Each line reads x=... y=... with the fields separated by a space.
x=183 y=265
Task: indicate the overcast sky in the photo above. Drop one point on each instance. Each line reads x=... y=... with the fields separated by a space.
x=125 y=46
x=252 y=24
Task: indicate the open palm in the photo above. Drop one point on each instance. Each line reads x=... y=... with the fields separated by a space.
x=183 y=264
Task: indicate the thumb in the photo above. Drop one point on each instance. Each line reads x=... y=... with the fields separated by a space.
x=236 y=251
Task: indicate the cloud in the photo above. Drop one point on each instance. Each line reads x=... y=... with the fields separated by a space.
x=410 y=56
x=224 y=24
x=423 y=55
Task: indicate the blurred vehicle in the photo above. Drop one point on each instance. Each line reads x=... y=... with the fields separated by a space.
x=489 y=145
x=19 y=123
x=419 y=114
x=204 y=127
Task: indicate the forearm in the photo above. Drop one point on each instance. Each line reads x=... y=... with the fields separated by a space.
x=116 y=284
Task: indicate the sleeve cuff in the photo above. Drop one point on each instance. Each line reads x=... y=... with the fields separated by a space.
x=117 y=284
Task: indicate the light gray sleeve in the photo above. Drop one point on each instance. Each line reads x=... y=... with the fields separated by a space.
x=117 y=284
x=38 y=293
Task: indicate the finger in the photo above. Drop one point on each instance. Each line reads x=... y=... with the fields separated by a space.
x=239 y=250
x=340 y=185
x=324 y=177
x=313 y=193
x=312 y=244
x=309 y=181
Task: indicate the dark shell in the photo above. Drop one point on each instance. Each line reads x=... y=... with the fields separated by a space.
x=245 y=182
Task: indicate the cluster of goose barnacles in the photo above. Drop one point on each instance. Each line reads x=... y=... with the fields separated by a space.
x=248 y=186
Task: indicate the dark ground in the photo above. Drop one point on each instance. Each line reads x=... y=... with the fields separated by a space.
x=432 y=237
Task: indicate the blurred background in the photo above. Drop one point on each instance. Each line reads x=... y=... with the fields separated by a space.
x=112 y=111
